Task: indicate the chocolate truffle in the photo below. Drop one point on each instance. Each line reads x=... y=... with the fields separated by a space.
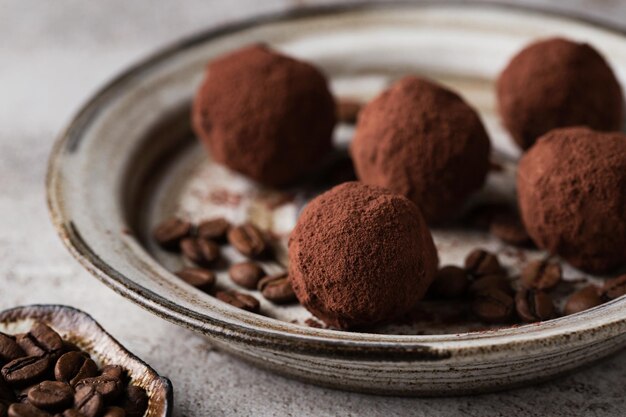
x=572 y=196
x=360 y=255
x=265 y=115
x=557 y=83
x=423 y=141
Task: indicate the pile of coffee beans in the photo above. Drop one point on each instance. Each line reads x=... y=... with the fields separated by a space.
x=201 y=245
x=44 y=376
x=498 y=298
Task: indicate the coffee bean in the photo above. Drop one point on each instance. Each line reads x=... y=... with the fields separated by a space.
x=9 y=349
x=493 y=306
x=583 y=299
x=201 y=278
x=135 y=402
x=114 y=412
x=28 y=369
x=169 y=233
x=541 y=275
x=51 y=395
x=277 y=289
x=27 y=343
x=114 y=372
x=73 y=366
x=88 y=401
x=348 y=110
x=72 y=412
x=26 y=410
x=200 y=250
x=40 y=340
x=108 y=388
x=239 y=300
x=248 y=240
x=508 y=227
x=450 y=282
x=214 y=229
x=534 y=305
x=614 y=288
x=247 y=274
x=480 y=262
x=498 y=281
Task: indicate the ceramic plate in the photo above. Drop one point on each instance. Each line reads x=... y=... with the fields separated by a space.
x=129 y=159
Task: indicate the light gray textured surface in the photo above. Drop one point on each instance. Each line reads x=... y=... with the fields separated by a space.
x=52 y=57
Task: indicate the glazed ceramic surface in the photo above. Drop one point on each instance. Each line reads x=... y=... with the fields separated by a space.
x=79 y=328
x=129 y=159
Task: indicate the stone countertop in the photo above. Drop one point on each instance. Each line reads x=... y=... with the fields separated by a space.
x=53 y=55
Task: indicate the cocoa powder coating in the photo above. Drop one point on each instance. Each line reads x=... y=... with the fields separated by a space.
x=423 y=141
x=558 y=83
x=265 y=115
x=360 y=255
x=572 y=196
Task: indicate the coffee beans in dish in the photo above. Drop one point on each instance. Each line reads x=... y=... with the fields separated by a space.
x=200 y=251
x=480 y=262
x=171 y=231
x=59 y=380
x=493 y=306
x=202 y=279
x=541 y=275
x=486 y=282
x=614 y=288
x=508 y=227
x=450 y=282
x=239 y=300
x=277 y=289
x=214 y=229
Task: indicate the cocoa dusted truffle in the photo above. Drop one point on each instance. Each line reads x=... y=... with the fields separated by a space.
x=558 y=83
x=360 y=255
x=265 y=115
x=572 y=196
x=422 y=141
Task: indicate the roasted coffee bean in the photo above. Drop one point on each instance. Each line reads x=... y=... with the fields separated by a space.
x=9 y=349
x=27 y=343
x=135 y=401
x=108 y=388
x=88 y=401
x=498 y=281
x=534 y=305
x=480 y=263
x=72 y=412
x=541 y=275
x=200 y=250
x=169 y=233
x=40 y=340
x=348 y=110
x=493 y=306
x=248 y=240
x=239 y=300
x=73 y=366
x=247 y=274
x=201 y=278
x=114 y=412
x=26 y=410
x=614 y=288
x=214 y=229
x=450 y=282
x=28 y=369
x=51 y=395
x=114 y=372
x=583 y=299
x=508 y=227
x=277 y=289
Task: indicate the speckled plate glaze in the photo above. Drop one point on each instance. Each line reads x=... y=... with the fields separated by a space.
x=80 y=328
x=129 y=159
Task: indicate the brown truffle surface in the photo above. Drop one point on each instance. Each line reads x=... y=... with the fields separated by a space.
x=360 y=255
x=557 y=83
x=572 y=196
x=265 y=115
x=422 y=141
